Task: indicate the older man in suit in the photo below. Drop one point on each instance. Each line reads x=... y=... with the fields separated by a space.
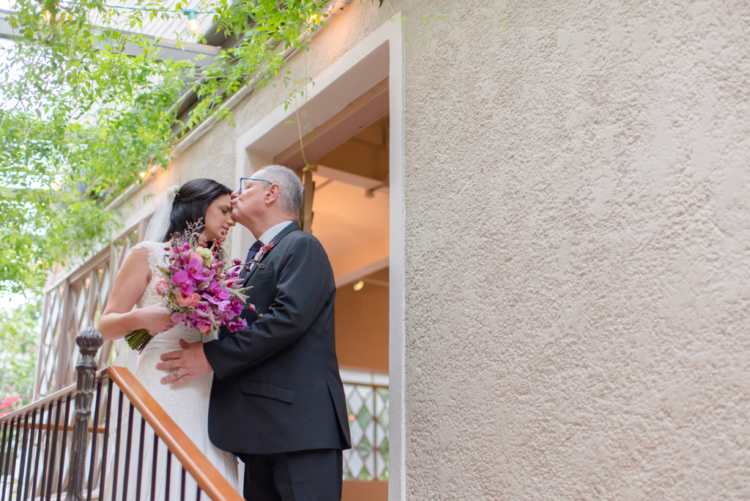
x=277 y=399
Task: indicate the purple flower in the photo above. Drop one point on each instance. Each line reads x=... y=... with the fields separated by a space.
x=217 y=290
x=235 y=325
x=180 y=277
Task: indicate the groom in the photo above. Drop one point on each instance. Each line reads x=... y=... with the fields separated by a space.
x=277 y=400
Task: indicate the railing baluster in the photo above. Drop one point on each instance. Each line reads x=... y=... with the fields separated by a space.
x=117 y=448
x=22 y=463
x=94 y=434
x=153 y=467
x=10 y=465
x=5 y=451
x=198 y=493
x=62 y=447
x=140 y=461
x=14 y=456
x=48 y=497
x=105 y=439
x=169 y=474
x=182 y=484
x=45 y=458
x=38 y=451
x=29 y=460
x=24 y=488
x=127 y=452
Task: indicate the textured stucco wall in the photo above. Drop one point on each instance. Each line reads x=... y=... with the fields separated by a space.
x=578 y=250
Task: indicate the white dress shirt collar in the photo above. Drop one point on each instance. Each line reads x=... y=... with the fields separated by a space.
x=271 y=232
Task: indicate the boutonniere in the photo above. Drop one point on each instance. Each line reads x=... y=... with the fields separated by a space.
x=260 y=254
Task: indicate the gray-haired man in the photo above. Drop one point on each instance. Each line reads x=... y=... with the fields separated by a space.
x=277 y=400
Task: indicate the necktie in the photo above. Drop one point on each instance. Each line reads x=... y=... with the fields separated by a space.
x=250 y=255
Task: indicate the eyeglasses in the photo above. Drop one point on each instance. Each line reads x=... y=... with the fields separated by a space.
x=244 y=182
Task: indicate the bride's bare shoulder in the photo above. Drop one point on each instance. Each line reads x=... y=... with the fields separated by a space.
x=137 y=258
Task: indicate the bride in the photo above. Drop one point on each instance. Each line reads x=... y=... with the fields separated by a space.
x=199 y=199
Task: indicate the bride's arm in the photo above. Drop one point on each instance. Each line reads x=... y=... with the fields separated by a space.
x=118 y=317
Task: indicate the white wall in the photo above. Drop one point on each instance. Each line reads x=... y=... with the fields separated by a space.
x=578 y=237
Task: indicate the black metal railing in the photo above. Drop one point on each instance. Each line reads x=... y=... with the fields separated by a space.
x=128 y=448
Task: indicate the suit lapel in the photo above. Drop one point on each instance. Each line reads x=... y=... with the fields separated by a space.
x=293 y=226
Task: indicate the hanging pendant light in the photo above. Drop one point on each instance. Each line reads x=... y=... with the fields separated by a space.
x=193 y=25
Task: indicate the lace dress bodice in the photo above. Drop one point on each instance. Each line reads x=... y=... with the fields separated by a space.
x=156 y=255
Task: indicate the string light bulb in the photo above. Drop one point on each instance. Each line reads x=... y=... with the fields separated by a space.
x=358 y=286
x=193 y=25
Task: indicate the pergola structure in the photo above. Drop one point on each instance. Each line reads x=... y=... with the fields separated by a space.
x=163 y=34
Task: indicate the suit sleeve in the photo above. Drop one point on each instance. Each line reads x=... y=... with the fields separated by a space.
x=304 y=286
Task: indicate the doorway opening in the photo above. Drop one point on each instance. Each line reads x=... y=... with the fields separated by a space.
x=350 y=207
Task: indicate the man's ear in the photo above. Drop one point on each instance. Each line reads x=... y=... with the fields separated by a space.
x=273 y=194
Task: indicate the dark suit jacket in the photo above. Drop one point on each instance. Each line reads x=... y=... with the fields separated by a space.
x=276 y=384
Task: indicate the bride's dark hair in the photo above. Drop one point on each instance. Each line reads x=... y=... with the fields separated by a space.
x=191 y=203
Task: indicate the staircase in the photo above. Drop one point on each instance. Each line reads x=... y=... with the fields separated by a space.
x=104 y=438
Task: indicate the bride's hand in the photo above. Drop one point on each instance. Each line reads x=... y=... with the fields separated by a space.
x=156 y=318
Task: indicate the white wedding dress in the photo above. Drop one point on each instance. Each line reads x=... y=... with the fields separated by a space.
x=187 y=405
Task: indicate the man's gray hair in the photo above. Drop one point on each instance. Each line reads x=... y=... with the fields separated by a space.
x=292 y=190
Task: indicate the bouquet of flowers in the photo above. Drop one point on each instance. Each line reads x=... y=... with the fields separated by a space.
x=197 y=287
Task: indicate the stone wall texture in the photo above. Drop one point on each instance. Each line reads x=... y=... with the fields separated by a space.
x=578 y=250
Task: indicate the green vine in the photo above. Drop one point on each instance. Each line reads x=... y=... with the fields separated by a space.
x=81 y=120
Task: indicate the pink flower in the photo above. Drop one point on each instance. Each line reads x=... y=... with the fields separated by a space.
x=162 y=287
x=234 y=326
x=7 y=402
x=217 y=290
x=15 y=397
x=180 y=277
x=188 y=300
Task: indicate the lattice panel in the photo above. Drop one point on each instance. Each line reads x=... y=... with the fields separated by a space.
x=368 y=422
x=73 y=305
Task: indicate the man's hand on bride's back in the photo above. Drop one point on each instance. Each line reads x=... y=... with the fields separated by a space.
x=156 y=318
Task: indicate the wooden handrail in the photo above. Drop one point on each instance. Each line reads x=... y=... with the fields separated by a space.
x=205 y=474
